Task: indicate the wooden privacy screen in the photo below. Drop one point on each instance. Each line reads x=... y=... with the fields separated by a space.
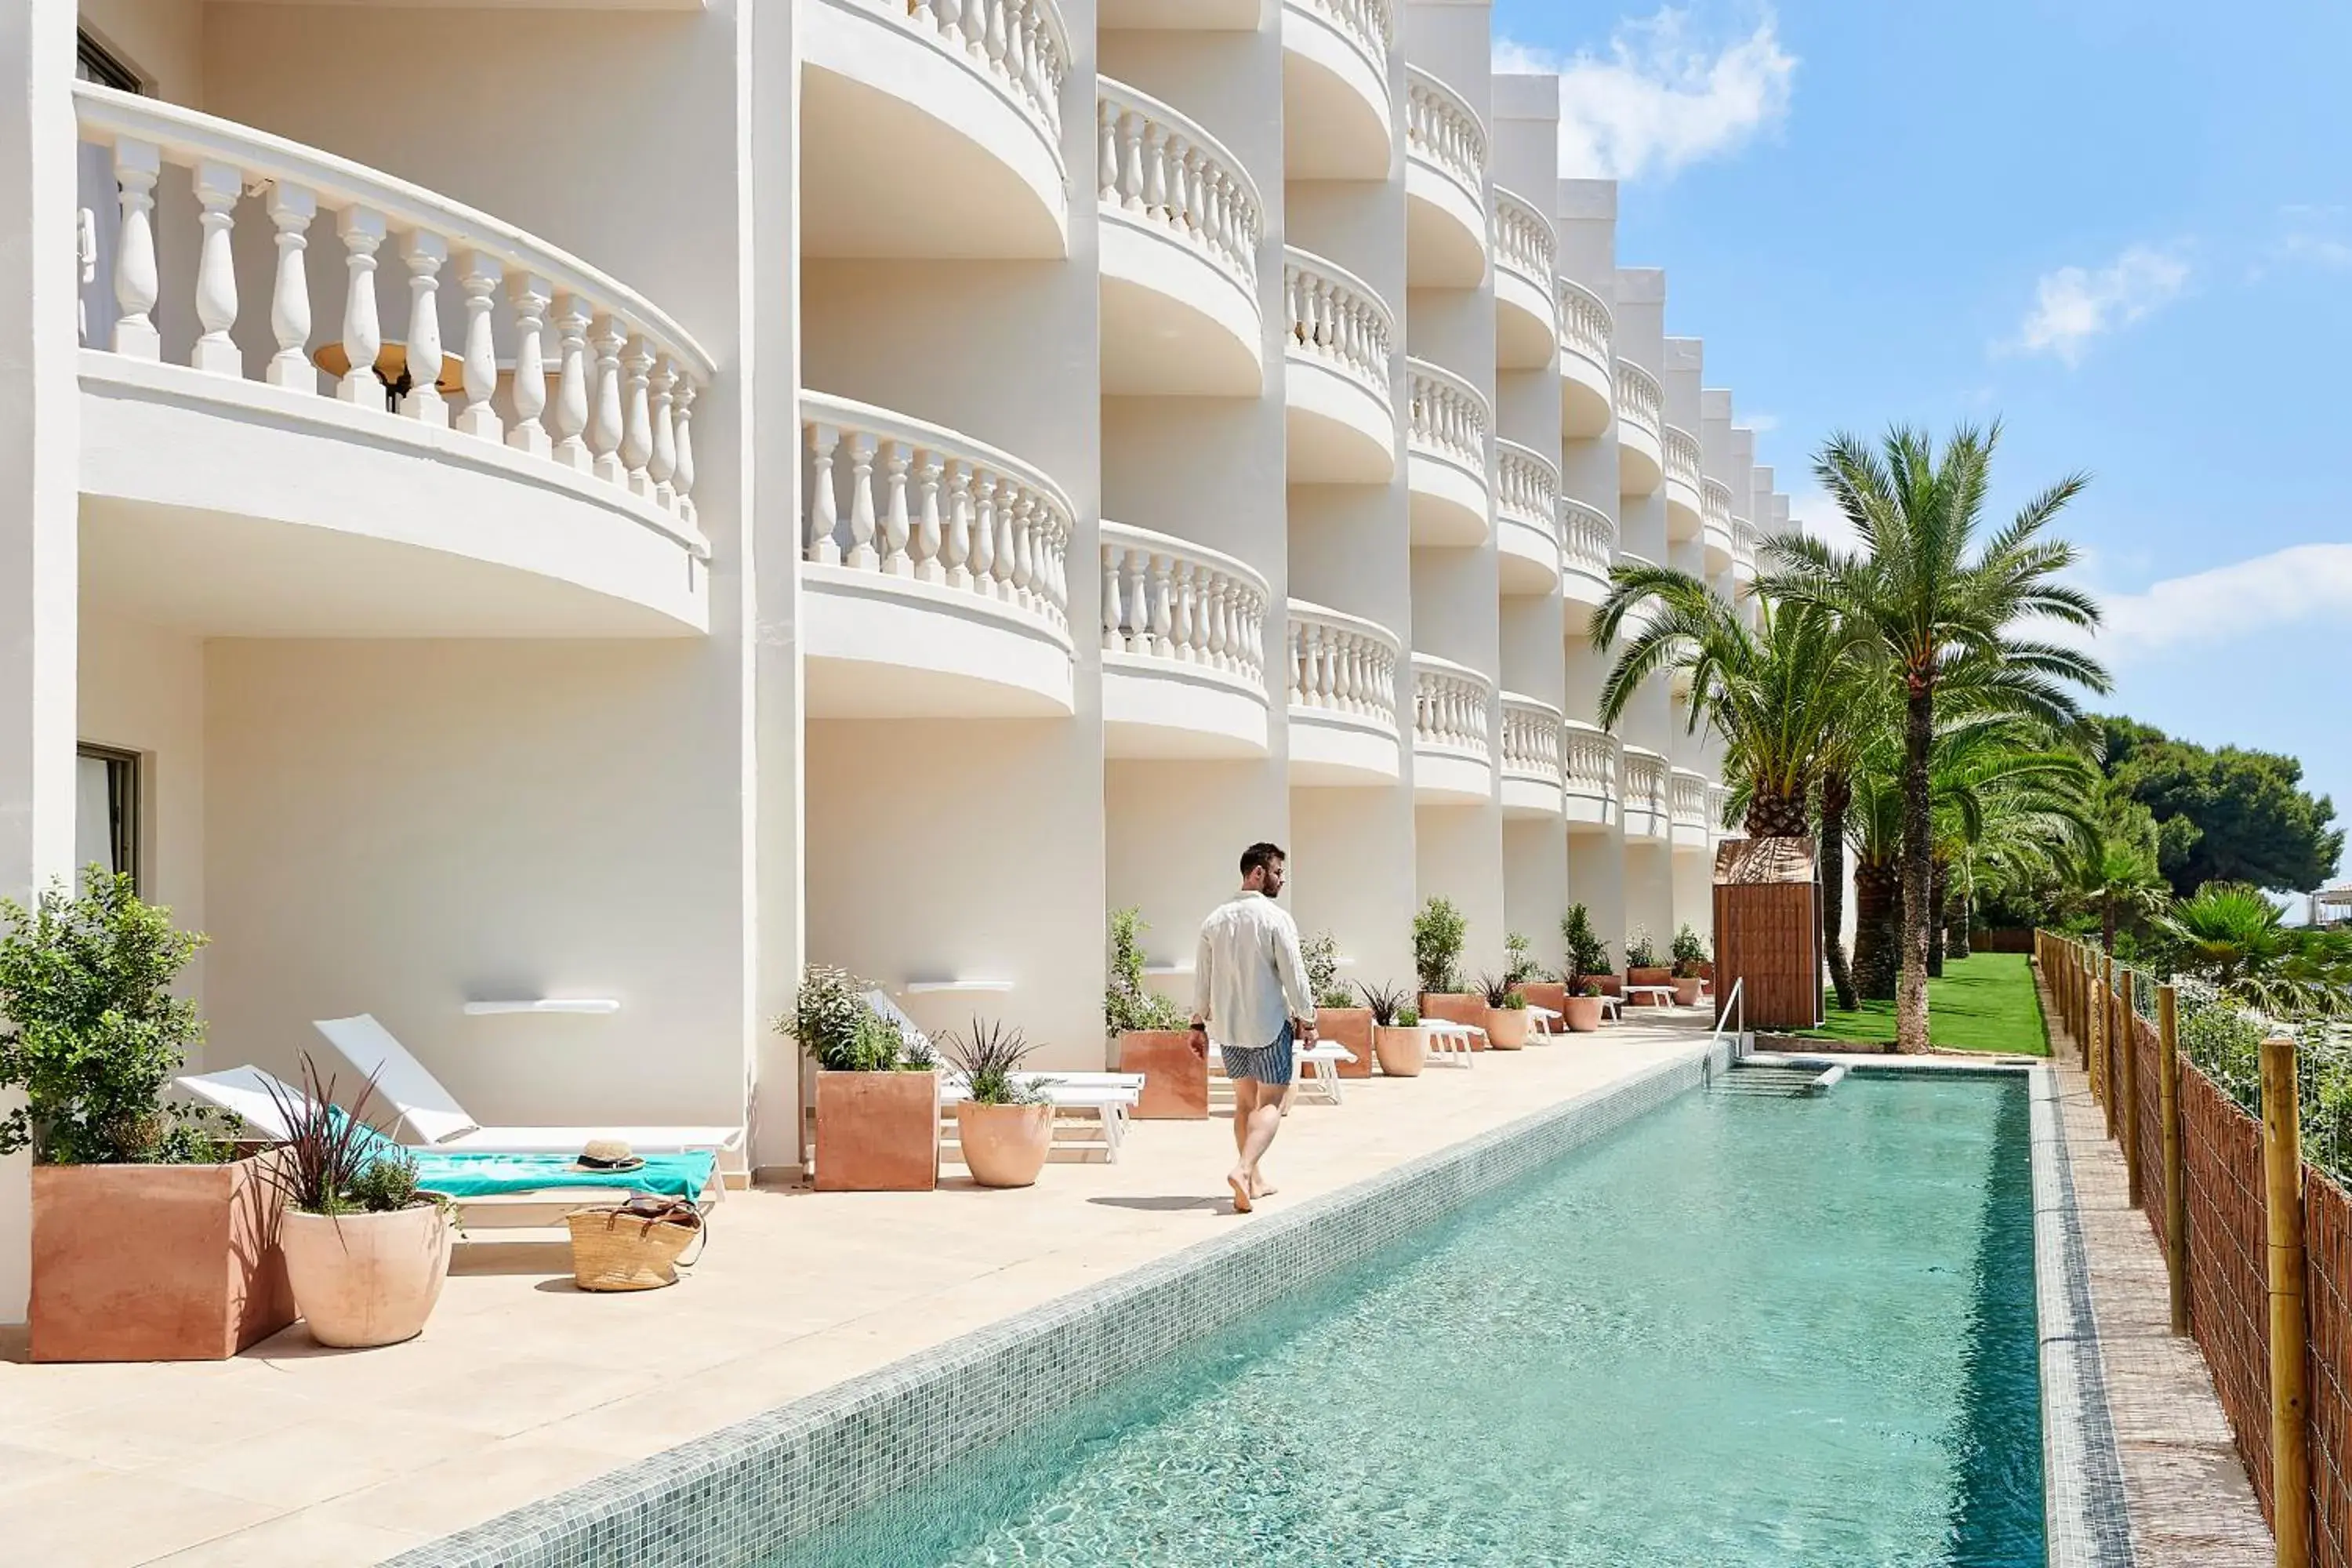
x=1767 y=930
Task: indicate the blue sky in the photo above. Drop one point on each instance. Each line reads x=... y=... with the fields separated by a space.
x=2124 y=226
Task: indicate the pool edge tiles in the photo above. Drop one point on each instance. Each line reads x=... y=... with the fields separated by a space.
x=739 y=1493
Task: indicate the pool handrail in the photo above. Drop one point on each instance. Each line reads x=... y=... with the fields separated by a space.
x=1734 y=1002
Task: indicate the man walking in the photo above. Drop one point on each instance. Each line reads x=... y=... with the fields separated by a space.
x=1250 y=996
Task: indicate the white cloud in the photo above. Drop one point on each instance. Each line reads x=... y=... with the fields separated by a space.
x=1762 y=424
x=1663 y=97
x=2307 y=585
x=1811 y=509
x=2075 y=304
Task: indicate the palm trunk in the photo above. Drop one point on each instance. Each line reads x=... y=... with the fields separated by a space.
x=1940 y=882
x=1918 y=855
x=1876 y=917
x=2107 y=924
x=1837 y=794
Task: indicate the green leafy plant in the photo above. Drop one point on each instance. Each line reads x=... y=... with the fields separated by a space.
x=990 y=1056
x=387 y=1185
x=1501 y=992
x=1641 y=953
x=1587 y=987
x=1519 y=965
x=836 y=1027
x=1438 y=931
x=1587 y=954
x=1389 y=1004
x=1127 y=1002
x=94 y=1033
x=1320 y=953
x=1408 y=1016
x=1689 y=953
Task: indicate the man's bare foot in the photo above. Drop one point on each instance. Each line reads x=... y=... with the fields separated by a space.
x=1262 y=1188
x=1241 y=1187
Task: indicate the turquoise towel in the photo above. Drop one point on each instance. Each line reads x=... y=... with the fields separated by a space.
x=494 y=1175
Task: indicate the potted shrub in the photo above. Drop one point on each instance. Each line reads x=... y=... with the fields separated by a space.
x=1004 y=1125
x=1438 y=931
x=1588 y=961
x=1151 y=1032
x=1642 y=965
x=1529 y=978
x=1338 y=1018
x=877 y=1107
x=150 y=1239
x=1506 y=1013
x=1399 y=1042
x=366 y=1251
x=1690 y=959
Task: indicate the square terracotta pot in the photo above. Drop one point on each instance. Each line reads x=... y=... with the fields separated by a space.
x=1657 y=975
x=1175 y=1080
x=155 y=1262
x=1351 y=1027
x=1457 y=1007
x=1610 y=984
x=878 y=1132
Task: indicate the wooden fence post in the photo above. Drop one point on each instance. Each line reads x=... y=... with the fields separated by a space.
x=2176 y=1195
x=2093 y=1053
x=2290 y=1397
x=2127 y=1083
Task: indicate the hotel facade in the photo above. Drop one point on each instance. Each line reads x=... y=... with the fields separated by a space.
x=535 y=521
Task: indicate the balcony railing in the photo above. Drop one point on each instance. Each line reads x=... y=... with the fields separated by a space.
x=1531 y=739
x=1683 y=458
x=1526 y=488
x=1342 y=663
x=1018 y=46
x=1718 y=800
x=1441 y=131
x=1640 y=401
x=1447 y=415
x=1589 y=761
x=1336 y=318
x=1523 y=241
x=1588 y=539
x=1169 y=599
x=1644 y=773
x=1585 y=323
x=1369 y=26
x=1160 y=169
x=1689 y=799
x=1715 y=510
x=932 y=506
x=1450 y=707
x=602 y=382
x=1744 y=538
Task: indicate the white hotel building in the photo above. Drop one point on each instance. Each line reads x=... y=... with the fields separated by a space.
x=905 y=477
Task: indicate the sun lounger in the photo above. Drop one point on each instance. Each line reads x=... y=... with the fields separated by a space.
x=1111 y=1096
x=434 y=1115
x=1658 y=995
x=1451 y=1042
x=1544 y=1021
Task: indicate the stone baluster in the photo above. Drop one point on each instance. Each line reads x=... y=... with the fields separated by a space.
x=823 y=514
x=604 y=428
x=955 y=549
x=926 y=517
x=528 y=295
x=217 y=188
x=983 y=533
x=136 y=164
x=682 y=478
x=1154 y=194
x=291 y=209
x=1021 y=521
x=895 y=528
x=1114 y=638
x=1000 y=565
x=425 y=251
x=571 y=386
x=860 y=554
x=1107 y=156
x=663 y=464
x=1130 y=161
x=363 y=232
x=637 y=419
x=479 y=282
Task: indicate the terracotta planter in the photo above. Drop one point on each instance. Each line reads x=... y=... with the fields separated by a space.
x=1707 y=971
x=1456 y=1007
x=1687 y=991
x=1544 y=993
x=878 y=1132
x=363 y=1279
x=1403 y=1051
x=1611 y=985
x=1647 y=976
x=1583 y=1013
x=1004 y=1145
x=1175 y=1080
x=1351 y=1027
x=1507 y=1027
x=155 y=1262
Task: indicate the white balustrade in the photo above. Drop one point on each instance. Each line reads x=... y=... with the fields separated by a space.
x=1531 y=739
x=901 y=498
x=1644 y=772
x=1446 y=415
x=1342 y=663
x=1718 y=800
x=1689 y=799
x=1019 y=47
x=1160 y=169
x=625 y=417
x=1586 y=326
x=1682 y=456
x=1370 y=25
x=1167 y=598
x=1523 y=239
x=1588 y=539
x=1526 y=488
x=1743 y=544
x=1337 y=318
x=1588 y=762
x=1640 y=401
x=1450 y=707
x=1714 y=509
x=1443 y=131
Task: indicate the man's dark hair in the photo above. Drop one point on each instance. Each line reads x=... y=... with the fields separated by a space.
x=1259 y=856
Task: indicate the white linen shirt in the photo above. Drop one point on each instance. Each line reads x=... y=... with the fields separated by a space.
x=1248 y=978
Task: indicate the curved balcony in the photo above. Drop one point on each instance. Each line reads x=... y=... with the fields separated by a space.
x=1643 y=802
x=1343 y=699
x=1445 y=456
x=1179 y=15
x=1586 y=328
x=1335 y=88
x=1526 y=519
x=933 y=129
x=1718 y=801
x=1715 y=520
x=1591 y=758
x=1743 y=553
x=1445 y=186
x=1588 y=545
x=1181 y=222
x=1452 y=762
x=1688 y=802
x=542 y=483
x=1183 y=637
x=934 y=572
x=1531 y=757
x=1338 y=418
x=1640 y=421
x=1684 y=484
x=1527 y=308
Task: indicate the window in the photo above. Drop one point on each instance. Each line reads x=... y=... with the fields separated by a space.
x=93 y=61
x=106 y=813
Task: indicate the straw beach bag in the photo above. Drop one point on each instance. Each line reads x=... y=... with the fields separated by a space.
x=638 y=1245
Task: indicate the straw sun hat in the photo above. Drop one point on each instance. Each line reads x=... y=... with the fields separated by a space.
x=608 y=1154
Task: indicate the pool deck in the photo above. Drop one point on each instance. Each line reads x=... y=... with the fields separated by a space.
x=522 y=1387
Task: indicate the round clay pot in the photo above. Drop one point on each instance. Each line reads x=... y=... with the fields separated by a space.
x=1687 y=991
x=1004 y=1145
x=1402 y=1051
x=1582 y=1013
x=1507 y=1027
x=363 y=1280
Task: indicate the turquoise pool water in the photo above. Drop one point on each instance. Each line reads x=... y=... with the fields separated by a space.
x=1739 y=1332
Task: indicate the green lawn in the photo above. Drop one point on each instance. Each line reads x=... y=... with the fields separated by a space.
x=1984 y=1002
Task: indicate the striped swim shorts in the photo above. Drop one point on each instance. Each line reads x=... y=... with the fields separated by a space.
x=1268 y=1065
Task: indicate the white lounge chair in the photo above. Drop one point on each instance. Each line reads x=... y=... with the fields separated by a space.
x=1451 y=1042
x=1319 y=1065
x=434 y=1115
x=1110 y=1096
x=1544 y=1021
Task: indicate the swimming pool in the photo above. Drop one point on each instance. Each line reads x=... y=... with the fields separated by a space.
x=1735 y=1332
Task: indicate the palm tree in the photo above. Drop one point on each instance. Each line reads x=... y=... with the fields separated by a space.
x=2235 y=937
x=1867 y=717
x=2116 y=873
x=1920 y=588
